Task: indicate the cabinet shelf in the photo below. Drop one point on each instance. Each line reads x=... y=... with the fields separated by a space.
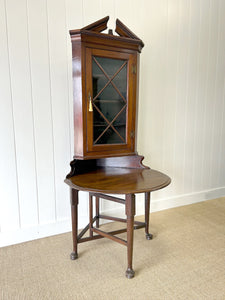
x=109 y=101
x=97 y=76
x=103 y=76
x=105 y=125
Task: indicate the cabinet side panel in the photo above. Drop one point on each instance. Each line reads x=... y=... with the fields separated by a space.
x=77 y=98
x=136 y=99
x=131 y=119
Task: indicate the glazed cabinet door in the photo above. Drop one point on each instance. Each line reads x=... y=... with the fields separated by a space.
x=110 y=101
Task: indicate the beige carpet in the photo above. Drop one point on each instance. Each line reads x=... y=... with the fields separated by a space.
x=185 y=260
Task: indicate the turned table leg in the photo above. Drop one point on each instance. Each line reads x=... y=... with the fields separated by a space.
x=149 y=236
x=74 y=206
x=90 y=215
x=97 y=211
x=130 y=212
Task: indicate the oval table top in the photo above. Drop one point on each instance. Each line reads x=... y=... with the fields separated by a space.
x=115 y=180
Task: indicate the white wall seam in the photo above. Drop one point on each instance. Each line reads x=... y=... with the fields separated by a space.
x=12 y=109
x=186 y=97
x=32 y=111
x=215 y=92
x=50 y=91
x=196 y=99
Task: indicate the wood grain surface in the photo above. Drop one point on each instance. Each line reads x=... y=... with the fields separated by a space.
x=119 y=180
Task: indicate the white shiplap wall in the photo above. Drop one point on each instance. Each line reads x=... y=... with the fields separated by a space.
x=181 y=109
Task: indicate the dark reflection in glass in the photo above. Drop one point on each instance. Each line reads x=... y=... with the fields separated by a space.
x=109 y=100
x=109 y=109
x=110 y=137
x=109 y=65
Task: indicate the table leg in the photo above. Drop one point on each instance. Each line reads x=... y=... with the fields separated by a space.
x=149 y=236
x=130 y=212
x=74 y=206
x=97 y=211
x=90 y=215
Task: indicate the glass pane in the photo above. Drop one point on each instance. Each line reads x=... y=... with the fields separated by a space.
x=99 y=80
x=109 y=93
x=110 y=137
x=99 y=125
x=120 y=124
x=109 y=99
x=121 y=120
x=110 y=65
x=122 y=131
x=108 y=108
x=120 y=81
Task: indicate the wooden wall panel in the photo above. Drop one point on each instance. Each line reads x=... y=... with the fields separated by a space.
x=209 y=103
x=57 y=38
x=91 y=11
x=217 y=151
x=191 y=175
x=9 y=200
x=198 y=139
x=74 y=20
x=191 y=99
x=170 y=92
x=152 y=79
x=107 y=8
x=19 y=61
x=42 y=108
x=181 y=87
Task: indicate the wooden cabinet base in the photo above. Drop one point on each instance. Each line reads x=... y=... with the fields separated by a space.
x=113 y=180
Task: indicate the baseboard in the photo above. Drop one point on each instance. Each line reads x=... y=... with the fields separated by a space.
x=39 y=231
x=187 y=199
x=171 y=202
x=62 y=226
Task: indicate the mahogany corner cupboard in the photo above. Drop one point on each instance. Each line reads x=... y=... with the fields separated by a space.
x=105 y=85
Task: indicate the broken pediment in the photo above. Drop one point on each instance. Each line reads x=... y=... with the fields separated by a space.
x=99 y=26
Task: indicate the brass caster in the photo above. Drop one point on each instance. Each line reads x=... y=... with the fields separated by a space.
x=73 y=256
x=149 y=236
x=130 y=273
